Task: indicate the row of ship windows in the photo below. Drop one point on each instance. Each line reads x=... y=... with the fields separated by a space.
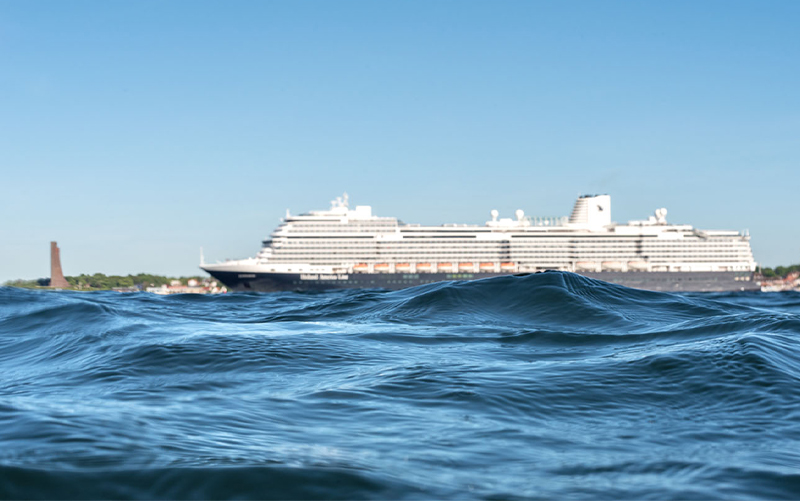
x=353 y=224
x=474 y=257
x=496 y=248
x=385 y=249
x=465 y=230
x=550 y=239
x=514 y=258
x=317 y=229
x=471 y=252
x=624 y=244
x=643 y=251
x=353 y=230
x=542 y=260
x=335 y=225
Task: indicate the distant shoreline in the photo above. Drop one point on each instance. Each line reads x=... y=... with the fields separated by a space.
x=778 y=278
x=100 y=281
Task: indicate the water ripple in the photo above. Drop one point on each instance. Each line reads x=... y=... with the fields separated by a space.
x=541 y=386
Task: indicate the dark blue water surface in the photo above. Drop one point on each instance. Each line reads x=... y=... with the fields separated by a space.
x=544 y=386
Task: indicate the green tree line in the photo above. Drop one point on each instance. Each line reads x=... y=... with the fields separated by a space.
x=779 y=271
x=99 y=281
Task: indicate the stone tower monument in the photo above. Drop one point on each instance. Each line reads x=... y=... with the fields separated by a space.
x=56 y=275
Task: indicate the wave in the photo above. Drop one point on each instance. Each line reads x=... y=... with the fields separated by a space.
x=545 y=385
x=231 y=482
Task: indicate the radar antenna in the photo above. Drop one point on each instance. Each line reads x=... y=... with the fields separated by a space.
x=342 y=201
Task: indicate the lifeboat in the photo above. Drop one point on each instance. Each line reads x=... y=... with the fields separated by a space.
x=466 y=266
x=383 y=267
x=637 y=265
x=612 y=265
x=446 y=267
x=507 y=266
x=424 y=267
x=402 y=267
x=487 y=266
x=361 y=268
x=586 y=265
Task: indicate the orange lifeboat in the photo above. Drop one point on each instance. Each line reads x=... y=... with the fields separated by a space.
x=361 y=268
x=487 y=266
x=402 y=267
x=383 y=267
x=507 y=266
x=424 y=267
x=446 y=266
x=466 y=266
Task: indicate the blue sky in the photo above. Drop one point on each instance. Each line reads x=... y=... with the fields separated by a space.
x=136 y=132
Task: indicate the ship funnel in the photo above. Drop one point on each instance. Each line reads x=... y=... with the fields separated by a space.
x=592 y=210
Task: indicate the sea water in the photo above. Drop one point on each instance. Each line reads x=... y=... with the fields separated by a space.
x=544 y=386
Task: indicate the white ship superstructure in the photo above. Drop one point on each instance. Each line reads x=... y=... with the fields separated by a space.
x=344 y=241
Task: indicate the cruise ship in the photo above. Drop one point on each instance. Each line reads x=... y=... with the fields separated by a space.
x=345 y=247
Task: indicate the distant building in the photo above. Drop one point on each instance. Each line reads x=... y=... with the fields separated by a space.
x=56 y=274
x=790 y=282
x=207 y=286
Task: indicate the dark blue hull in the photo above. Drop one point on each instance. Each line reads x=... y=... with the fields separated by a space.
x=654 y=281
